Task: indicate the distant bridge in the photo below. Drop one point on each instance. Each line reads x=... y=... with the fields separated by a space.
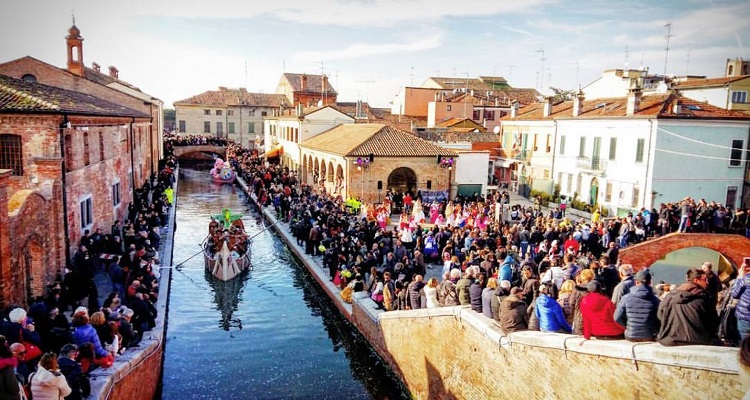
x=644 y=254
x=181 y=151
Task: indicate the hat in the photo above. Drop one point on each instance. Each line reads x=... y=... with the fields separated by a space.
x=17 y=315
x=643 y=276
x=594 y=286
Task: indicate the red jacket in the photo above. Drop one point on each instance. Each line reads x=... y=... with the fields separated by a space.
x=598 y=316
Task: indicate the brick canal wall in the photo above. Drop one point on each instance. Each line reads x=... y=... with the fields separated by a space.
x=137 y=373
x=456 y=353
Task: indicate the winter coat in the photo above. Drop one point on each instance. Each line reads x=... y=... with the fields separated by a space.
x=637 y=313
x=740 y=291
x=487 y=295
x=462 y=289
x=87 y=334
x=79 y=384
x=550 y=314
x=447 y=293
x=48 y=385
x=598 y=316
x=513 y=315
x=415 y=295
x=687 y=316
x=622 y=289
x=475 y=296
x=8 y=384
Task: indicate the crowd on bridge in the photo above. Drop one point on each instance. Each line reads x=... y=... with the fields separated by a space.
x=519 y=266
x=48 y=349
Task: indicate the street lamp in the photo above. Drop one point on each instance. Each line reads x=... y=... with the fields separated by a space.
x=447 y=163
x=363 y=164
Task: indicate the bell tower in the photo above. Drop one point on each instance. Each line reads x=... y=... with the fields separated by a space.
x=75 y=50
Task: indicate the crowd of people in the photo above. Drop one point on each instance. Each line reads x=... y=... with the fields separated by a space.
x=527 y=270
x=47 y=354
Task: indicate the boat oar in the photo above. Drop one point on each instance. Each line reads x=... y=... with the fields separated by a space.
x=193 y=256
x=263 y=230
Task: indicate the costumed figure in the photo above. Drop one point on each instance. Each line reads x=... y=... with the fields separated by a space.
x=403 y=221
x=434 y=211
x=418 y=212
x=449 y=217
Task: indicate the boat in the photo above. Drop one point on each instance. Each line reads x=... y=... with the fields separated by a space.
x=222 y=172
x=226 y=250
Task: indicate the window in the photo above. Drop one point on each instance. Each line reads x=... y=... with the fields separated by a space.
x=87 y=213
x=218 y=112
x=731 y=196
x=489 y=115
x=559 y=179
x=579 y=181
x=230 y=112
x=549 y=140
x=206 y=112
x=182 y=126
x=230 y=127
x=736 y=153
x=639 y=150
x=28 y=78
x=116 y=194
x=608 y=192
x=101 y=146
x=251 y=112
x=86 y=157
x=636 y=195
x=739 y=96
x=562 y=145
x=612 y=149
x=206 y=127
x=570 y=183
x=582 y=147
x=475 y=115
x=448 y=107
x=11 y=156
x=251 y=127
x=536 y=137
x=264 y=113
x=219 y=128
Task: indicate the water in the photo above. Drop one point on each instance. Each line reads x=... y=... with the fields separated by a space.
x=271 y=333
x=673 y=267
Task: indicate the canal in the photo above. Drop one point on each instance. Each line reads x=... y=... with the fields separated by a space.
x=270 y=333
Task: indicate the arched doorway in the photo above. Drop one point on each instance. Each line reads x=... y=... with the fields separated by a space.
x=594 y=191
x=402 y=179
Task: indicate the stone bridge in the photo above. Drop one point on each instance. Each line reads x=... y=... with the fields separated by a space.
x=733 y=247
x=181 y=151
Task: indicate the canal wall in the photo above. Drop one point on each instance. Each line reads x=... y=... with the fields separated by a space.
x=456 y=353
x=137 y=372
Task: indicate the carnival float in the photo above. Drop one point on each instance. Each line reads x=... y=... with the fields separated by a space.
x=222 y=172
x=226 y=249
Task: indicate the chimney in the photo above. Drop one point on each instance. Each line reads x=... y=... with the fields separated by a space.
x=514 y=109
x=547 y=107
x=303 y=84
x=677 y=108
x=578 y=103
x=324 y=87
x=113 y=72
x=96 y=67
x=634 y=101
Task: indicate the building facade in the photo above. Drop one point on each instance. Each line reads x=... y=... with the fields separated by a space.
x=307 y=90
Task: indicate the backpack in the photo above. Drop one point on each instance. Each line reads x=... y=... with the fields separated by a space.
x=27 y=388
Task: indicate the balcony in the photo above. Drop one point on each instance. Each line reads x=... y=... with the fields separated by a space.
x=593 y=164
x=523 y=155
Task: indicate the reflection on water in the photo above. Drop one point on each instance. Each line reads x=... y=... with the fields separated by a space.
x=673 y=267
x=269 y=334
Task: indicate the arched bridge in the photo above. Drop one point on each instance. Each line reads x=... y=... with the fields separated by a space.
x=733 y=247
x=180 y=151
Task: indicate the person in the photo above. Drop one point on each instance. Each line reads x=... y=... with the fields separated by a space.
x=489 y=309
x=687 y=315
x=48 y=383
x=390 y=300
x=414 y=292
x=565 y=299
x=463 y=285
x=447 y=294
x=637 y=311
x=9 y=385
x=740 y=291
x=626 y=282
x=744 y=361
x=549 y=313
x=84 y=333
x=512 y=314
x=430 y=293
x=80 y=387
x=475 y=292
x=714 y=283
x=598 y=314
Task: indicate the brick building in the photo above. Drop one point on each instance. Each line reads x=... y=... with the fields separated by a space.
x=306 y=89
x=72 y=151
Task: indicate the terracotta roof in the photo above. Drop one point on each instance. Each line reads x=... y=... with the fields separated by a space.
x=19 y=96
x=697 y=83
x=452 y=122
x=350 y=109
x=104 y=79
x=655 y=106
x=503 y=98
x=377 y=139
x=313 y=83
x=228 y=97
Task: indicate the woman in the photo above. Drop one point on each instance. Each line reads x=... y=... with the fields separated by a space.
x=48 y=383
x=565 y=299
x=430 y=293
x=598 y=315
x=487 y=294
x=84 y=333
x=549 y=313
x=99 y=322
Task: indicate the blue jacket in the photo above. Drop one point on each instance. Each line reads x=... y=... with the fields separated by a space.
x=637 y=312
x=550 y=315
x=740 y=291
x=87 y=334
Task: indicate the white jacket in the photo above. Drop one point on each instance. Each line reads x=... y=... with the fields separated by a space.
x=49 y=385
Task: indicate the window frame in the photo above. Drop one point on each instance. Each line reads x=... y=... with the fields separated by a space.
x=86 y=208
x=562 y=145
x=582 y=147
x=735 y=153
x=739 y=96
x=116 y=196
x=11 y=153
x=612 y=149
x=206 y=126
x=640 y=148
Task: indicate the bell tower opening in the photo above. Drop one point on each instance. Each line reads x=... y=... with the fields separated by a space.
x=75 y=50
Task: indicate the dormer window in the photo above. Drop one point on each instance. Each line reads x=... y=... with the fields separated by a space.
x=28 y=78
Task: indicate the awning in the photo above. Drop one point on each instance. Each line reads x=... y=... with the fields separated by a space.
x=504 y=162
x=275 y=152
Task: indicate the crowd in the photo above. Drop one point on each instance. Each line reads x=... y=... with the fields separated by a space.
x=527 y=270
x=48 y=355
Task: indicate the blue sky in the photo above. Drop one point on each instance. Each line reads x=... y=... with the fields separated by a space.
x=372 y=48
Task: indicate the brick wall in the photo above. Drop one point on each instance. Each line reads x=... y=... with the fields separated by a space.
x=734 y=247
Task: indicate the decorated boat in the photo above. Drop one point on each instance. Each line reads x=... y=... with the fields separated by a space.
x=222 y=172
x=226 y=249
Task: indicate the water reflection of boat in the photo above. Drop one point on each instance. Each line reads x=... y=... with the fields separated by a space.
x=227 y=299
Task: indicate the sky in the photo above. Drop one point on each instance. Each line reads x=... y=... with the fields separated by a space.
x=371 y=49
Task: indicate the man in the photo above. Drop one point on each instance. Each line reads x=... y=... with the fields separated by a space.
x=687 y=315
x=637 y=310
x=414 y=291
x=71 y=369
x=607 y=274
x=714 y=284
x=513 y=316
x=390 y=300
x=626 y=283
x=612 y=253
x=129 y=336
x=463 y=285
